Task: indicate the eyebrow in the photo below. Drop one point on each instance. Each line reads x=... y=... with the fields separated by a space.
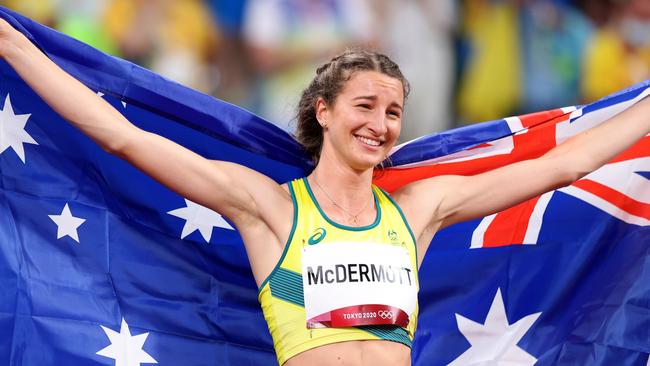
x=374 y=97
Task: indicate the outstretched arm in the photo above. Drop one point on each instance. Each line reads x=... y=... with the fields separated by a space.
x=228 y=188
x=434 y=203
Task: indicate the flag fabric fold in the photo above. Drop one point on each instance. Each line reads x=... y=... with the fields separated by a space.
x=100 y=265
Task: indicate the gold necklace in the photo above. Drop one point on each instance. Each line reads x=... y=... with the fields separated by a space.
x=355 y=218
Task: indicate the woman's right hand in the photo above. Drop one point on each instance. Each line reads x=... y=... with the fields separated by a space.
x=9 y=37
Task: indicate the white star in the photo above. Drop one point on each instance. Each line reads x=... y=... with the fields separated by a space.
x=102 y=94
x=495 y=342
x=67 y=224
x=201 y=218
x=126 y=349
x=12 y=130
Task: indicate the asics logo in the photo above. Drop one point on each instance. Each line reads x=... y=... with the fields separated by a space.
x=386 y=314
x=317 y=236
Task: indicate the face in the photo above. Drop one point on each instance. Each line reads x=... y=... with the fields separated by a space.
x=364 y=121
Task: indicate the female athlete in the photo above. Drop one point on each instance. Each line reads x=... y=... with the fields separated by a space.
x=335 y=258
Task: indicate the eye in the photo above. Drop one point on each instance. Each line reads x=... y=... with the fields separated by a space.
x=394 y=114
x=365 y=106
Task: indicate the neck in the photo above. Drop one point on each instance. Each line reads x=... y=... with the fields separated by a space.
x=339 y=185
x=343 y=180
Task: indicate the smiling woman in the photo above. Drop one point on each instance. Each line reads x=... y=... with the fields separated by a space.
x=330 y=80
x=370 y=108
x=337 y=265
x=351 y=295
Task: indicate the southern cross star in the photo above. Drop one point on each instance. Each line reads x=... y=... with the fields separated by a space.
x=126 y=349
x=100 y=94
x=199 y=218
x=12 y=130
x=495 y=341
x=67 y=224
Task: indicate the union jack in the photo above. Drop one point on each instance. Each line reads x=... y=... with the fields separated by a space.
x=620 y=188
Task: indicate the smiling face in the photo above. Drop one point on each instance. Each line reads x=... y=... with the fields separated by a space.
x=363 y=123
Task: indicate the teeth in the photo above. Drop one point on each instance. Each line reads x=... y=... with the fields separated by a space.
x=368 y=141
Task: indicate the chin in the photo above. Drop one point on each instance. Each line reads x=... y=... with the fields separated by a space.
x=365 y=164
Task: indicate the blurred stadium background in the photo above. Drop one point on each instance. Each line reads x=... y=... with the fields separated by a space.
x=468 y=61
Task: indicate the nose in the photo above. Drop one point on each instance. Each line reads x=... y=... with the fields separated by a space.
x=377 y=124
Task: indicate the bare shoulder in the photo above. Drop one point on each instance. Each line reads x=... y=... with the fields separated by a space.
x=268 y=200
x=265 y=222
x=421 y=201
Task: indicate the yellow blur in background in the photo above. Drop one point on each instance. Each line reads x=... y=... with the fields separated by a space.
x=468 y=61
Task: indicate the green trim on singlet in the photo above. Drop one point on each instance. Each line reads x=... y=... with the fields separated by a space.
x=287 y=286
x=388 y=332
x=341 y=226
x=286 y=245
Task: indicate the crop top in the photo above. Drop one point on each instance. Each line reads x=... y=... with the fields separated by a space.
x=355 y=283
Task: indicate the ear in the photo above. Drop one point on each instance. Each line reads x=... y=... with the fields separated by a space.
x=322 y=112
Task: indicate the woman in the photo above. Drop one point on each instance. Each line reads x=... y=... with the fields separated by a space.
x=335 y=258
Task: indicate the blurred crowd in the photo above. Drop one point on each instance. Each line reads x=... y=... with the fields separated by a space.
x=467 y=61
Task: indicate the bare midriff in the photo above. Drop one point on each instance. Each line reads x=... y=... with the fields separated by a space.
x=355 y=353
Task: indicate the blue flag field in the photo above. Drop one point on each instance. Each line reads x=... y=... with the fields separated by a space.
x=101 y=265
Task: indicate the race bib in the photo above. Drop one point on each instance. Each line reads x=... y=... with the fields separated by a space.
x=348 y=284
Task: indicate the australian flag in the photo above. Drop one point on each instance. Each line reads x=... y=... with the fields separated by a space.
x=100 y=265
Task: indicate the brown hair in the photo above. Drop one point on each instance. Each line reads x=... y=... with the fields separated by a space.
x=328 y=83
